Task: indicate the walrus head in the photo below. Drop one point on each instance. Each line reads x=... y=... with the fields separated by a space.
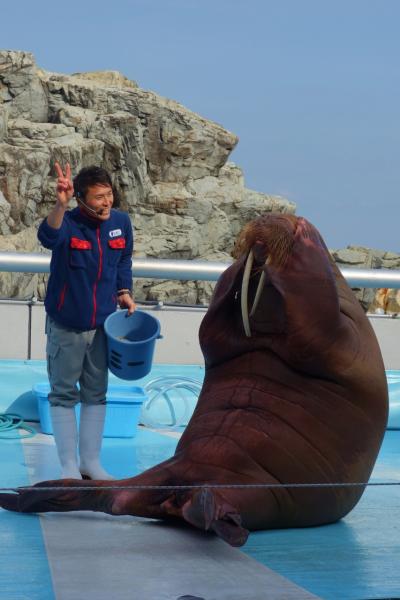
x=267 y=240
x=283 y=293
x=270 y=234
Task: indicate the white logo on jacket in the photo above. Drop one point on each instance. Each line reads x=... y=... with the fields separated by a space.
x=115 y=233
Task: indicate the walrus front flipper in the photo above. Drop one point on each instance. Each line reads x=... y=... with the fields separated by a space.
x=206 y=510
x=35 y=500
x=9 y=501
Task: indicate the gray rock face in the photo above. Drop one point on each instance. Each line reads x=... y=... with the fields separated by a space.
x=3 y=122
x=169 y=165
x=20 y=87
x=382 y=300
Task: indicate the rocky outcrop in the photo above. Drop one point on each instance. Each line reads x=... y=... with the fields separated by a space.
x=169 y=165
x=382 y=301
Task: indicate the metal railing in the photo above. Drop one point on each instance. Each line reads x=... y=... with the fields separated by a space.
x=193 y=270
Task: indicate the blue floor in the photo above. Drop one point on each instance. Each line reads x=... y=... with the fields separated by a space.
x=355 y=559
x=24 y=571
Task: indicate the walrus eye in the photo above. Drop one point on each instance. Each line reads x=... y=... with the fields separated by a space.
x=245 y=292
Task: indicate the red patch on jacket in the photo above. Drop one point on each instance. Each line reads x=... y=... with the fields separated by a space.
x=79 y=244
x=117 y=243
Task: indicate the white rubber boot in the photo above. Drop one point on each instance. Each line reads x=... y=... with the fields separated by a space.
x=90 y=437
x=66 y=438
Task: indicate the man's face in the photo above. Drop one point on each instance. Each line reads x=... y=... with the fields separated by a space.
x=100 y=199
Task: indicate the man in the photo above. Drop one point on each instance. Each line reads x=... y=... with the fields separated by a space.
x=90 y=272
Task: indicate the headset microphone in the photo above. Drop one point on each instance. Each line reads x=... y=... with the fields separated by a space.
x=80 y=201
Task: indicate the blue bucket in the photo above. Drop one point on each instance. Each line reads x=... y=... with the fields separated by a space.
x=130 y=343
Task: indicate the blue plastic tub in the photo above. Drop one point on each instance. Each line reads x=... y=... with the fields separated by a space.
x=394 y=405
x=124 y=404
x=131 y=341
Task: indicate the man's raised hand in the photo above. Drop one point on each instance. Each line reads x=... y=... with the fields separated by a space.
x=65 y=189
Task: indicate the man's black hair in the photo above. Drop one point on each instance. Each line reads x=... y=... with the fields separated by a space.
x=89 y=176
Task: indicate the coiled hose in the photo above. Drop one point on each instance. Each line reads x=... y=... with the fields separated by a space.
x=9 y=423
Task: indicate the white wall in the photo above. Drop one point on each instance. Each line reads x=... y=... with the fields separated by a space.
x=38 y=336
x=14 y=327
x=179 y=327
x=387 y=331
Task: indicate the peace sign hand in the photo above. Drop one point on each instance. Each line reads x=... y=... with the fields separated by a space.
x=65 y=189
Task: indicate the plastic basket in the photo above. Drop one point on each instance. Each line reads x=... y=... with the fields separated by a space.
x=124 y=404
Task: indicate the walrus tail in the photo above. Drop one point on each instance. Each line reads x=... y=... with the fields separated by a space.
x=209 y=511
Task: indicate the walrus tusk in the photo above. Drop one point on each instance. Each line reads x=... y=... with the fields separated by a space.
x=244 y=294
x=260 y=286
x=258 y=293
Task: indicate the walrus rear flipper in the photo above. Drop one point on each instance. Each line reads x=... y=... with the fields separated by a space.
x=33 y=500
x=207 y=510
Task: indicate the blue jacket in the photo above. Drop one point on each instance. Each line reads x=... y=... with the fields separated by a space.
x=91 y=260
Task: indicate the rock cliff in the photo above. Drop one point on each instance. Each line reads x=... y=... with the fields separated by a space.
x=169 y=165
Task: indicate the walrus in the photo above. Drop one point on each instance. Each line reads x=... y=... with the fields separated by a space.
x=294 y=393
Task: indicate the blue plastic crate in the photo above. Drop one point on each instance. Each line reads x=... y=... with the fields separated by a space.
x=124 y=404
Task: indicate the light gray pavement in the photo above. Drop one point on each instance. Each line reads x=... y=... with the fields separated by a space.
x=100 y=557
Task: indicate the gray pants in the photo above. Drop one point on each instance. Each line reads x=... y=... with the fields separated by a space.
x=76 y=356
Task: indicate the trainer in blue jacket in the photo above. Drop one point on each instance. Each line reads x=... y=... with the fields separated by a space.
x=90 y=273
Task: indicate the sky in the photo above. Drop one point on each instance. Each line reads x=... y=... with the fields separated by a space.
x=311 y=87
